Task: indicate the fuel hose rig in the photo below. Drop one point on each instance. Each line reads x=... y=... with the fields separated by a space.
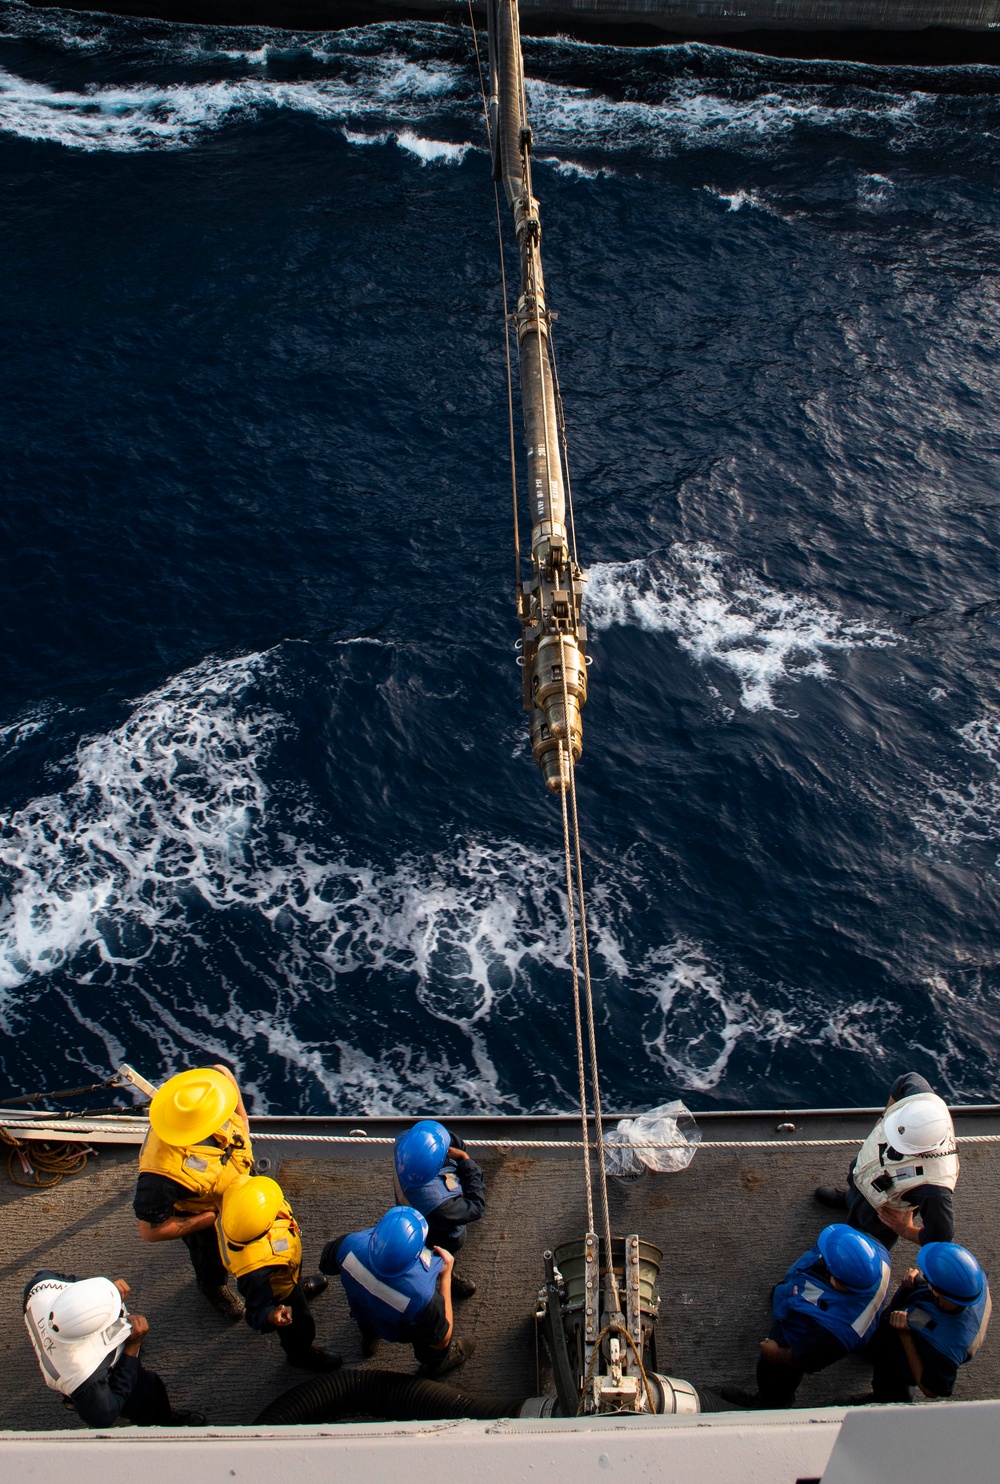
x=549 y=602
x=596 y=1313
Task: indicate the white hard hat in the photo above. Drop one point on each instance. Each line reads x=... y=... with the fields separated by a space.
x=84 y=1308
x=919 y=1126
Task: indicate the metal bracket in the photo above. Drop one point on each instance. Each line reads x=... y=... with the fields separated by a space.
x=633 y=1312
x=592 y=1279
x=130 y=1075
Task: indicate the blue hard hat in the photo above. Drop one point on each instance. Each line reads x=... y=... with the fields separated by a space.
x=421 y=1152
x=853 y=1258
x=396 y=1241
x=952 y=1270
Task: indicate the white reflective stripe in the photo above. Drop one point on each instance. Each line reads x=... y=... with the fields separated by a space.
x=36 y=1339
x=811 y=1293
x=981 y=1332
x=398 y=1301
x=867 y=1314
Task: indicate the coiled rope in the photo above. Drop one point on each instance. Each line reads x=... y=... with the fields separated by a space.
x=48 y=1164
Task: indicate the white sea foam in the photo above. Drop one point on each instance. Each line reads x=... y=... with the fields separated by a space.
x=689 y=117
x=736 y=200
x=142 y=116
x=16 y=733
x=967 y=811
x=171 y=816
x=167 y=816
x=720 y=612
x=572 y=169
x=158 y=808
x=874 y=191
x=697 y=1022
x=432 y=151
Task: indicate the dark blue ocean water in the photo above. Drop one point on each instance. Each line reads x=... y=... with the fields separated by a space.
x=264 y=781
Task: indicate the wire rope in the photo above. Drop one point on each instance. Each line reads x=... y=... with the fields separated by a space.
x=595 y=1082
x=506 y=321
x=581 y=1069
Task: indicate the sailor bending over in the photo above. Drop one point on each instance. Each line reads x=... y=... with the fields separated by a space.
x=260 y=1245
x=87 y=1346
x=435 y=1175
x=901 y=1182
x=936 y=1322
x=398 y=1290
x=198 y=1144
x=827 y=1306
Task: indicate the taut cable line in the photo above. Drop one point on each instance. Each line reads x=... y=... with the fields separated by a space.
x=550 y=603
x=506 y=322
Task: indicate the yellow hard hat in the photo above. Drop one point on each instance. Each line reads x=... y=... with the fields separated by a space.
x=192 y=1105
x=249 y=1206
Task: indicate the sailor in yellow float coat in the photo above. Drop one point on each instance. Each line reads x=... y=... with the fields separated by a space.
x=198 y=1144
x=260 y=1244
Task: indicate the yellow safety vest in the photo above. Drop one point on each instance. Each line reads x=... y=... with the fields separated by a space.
x=201 y=1168
x=280 y=1246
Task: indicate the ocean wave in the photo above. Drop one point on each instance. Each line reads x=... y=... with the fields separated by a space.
x=159 y=808
x=721 y=613
x=382 y=68
x=427 y=151
x=966 y=811
x=736 y=200
x=692 y=116
x=697 y=1022
x=572 y=169
x=175 y=843
x=145 y=116
x=16 y=733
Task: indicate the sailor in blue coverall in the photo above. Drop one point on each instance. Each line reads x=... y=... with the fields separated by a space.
x=398 y=1290
x=827 y=1306
x=936 y=1322
x=434 y=1173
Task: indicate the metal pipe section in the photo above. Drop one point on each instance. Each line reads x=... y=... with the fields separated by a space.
x=549 y=602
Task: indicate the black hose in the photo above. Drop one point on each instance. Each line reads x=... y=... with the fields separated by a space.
x=387 y=1395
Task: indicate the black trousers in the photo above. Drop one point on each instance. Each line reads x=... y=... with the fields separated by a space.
x=423 y=1353
x=892 y=1379
x=148 y=1404
x=777 y=1384
x=204 y=1249
x=297 y=1337
x=452 y=1244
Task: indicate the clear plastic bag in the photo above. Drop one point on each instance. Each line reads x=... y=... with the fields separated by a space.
x=663 y=1140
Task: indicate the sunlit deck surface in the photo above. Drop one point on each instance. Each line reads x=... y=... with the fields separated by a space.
x=729 y=1225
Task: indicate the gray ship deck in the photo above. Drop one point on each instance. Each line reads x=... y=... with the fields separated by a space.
x=729 y=1225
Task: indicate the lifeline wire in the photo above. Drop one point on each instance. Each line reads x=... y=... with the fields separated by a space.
x=361 y=1141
